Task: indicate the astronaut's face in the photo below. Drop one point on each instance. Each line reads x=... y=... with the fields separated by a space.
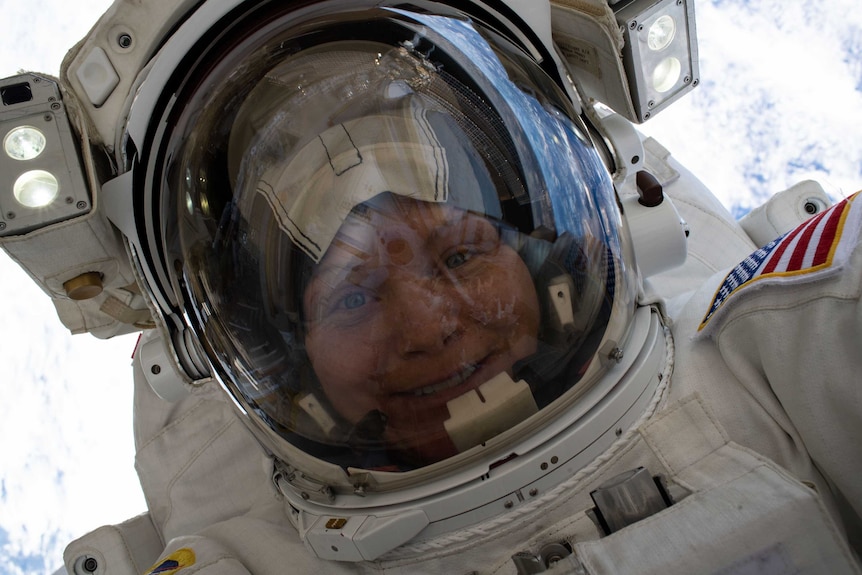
x=415 y=304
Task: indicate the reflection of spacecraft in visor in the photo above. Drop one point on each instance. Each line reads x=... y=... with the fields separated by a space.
x=349 y=164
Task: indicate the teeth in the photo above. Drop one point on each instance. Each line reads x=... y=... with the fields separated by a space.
x=453 y=381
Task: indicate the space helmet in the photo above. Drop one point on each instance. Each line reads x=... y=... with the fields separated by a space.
x=390 y=234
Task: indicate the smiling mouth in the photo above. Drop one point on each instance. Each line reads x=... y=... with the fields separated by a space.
x=448 y=383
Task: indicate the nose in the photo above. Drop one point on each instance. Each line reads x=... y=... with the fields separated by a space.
x=426 y=315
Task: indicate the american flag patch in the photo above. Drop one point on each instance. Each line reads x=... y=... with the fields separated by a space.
x=817 y=247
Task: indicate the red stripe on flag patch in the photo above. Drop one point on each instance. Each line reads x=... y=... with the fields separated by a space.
x=810 y=248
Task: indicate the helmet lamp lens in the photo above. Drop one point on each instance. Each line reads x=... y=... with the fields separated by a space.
x=666 y=74
x=661 y=33
x=24 y=143
x=36 y=188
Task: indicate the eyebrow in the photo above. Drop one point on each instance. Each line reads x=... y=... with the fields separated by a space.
x=349 y=259
x=469 y=225
x=352 y=261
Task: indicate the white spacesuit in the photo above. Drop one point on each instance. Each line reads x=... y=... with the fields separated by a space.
x=417 y=297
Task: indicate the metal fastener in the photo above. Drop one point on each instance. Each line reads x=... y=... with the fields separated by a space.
x=90 y=565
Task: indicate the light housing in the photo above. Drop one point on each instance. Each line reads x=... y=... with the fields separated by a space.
x=42 y=180
x=660 y=52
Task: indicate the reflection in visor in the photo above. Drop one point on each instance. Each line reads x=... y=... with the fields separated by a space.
x=400 y=257
x=414 y=305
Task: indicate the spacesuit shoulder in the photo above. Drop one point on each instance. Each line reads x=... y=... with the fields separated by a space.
x=819 y=248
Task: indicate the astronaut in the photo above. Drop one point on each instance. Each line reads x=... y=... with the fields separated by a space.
x=416 y=297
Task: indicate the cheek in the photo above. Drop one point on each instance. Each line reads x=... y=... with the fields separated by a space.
x=526 y=295
x=506 y=296
x=528 y=312
x=344 y=366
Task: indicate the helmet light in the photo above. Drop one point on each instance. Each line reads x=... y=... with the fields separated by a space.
x=660 y=53
x=42 y=178
x=638 y=58
x=24 y=143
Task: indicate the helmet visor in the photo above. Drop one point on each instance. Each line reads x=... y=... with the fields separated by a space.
x=396 y=251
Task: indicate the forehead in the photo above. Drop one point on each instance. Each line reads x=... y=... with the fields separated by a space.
x=387 y=211
x=375 y=228
x=388 y=216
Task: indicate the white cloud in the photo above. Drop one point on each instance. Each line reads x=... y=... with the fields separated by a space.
x=36 y=34
x=65 y=426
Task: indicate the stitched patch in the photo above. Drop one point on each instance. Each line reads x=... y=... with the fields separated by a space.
x=177 y=560
x=819 y=246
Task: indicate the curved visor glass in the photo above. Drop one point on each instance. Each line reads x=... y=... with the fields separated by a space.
x=397 y=247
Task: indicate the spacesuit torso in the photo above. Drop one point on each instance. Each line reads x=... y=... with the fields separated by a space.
x=740 y=429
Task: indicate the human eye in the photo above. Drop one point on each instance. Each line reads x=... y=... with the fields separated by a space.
x=347 y=308
x=352 y=300
x=458 y=258
x=343 y=306
x=468 y=246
